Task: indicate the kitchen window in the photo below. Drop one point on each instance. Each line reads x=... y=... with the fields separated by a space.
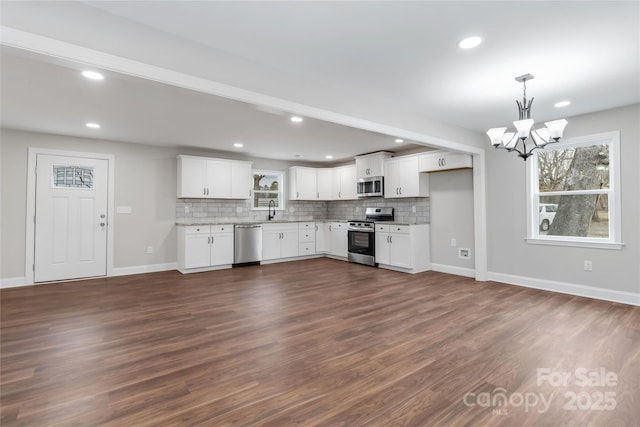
x=267 y=186
x=574 y=193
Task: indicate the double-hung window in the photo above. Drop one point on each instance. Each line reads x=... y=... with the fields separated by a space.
x=574 y=192
x=268 y=190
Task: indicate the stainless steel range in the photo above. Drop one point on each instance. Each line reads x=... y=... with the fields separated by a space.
x=361 y=235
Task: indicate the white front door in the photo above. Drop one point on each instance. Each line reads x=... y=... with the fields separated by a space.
x=71 y=217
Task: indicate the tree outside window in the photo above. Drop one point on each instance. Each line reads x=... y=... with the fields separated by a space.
x=574 y=197
x=267 y=187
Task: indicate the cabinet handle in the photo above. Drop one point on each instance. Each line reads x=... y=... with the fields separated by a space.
x=401 y=190
x=329 y=228
x=390 y=239
x=208 y=240
x=339 y=194
x=212 y=240
x=204 y=191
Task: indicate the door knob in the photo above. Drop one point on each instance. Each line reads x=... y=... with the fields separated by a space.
x=102 y=224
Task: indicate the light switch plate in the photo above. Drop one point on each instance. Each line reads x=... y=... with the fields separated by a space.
x=124 y=209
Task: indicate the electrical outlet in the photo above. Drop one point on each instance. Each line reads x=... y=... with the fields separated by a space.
x=186 y=209
x=413 y=209
x=454 y=243
x=588 y=266
x=464 y=253
x=149 y=249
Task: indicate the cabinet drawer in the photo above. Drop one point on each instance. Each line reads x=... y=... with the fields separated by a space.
x=305 y=236
x=306 y=226
x=400 y=229
x=225 y=228
x=339 y=225
x=197 y=229
x=382 y=228
x=306 y=249
x=279 y=226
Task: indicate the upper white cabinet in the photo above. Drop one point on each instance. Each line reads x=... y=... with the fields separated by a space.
x=403 y=178
x=369 y=165
x=444 y=160
x=344 y=183
x=324 y=183
x=209 y=178
x=302 y=183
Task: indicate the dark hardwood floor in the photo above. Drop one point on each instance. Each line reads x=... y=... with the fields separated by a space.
x=315 y=342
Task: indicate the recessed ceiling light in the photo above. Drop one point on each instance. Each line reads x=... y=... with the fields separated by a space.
x=328 y=156
x=562 y=104
x=238 y=145
x=399 y=141
x=93 y=125
x=296 y=119
x=469 y=42
x=92 y=75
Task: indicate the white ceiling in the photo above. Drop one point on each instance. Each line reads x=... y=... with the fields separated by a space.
x=359 y=58
x=45 y=95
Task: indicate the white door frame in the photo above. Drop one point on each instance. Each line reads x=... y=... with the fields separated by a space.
x=31 y=204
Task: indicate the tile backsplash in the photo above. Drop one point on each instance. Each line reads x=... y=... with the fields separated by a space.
x=234 y=211
x=403 y=208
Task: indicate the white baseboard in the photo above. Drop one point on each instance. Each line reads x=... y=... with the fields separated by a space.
x=452 y=269
x=139 y=269
x=13 y=282
x=623 y=297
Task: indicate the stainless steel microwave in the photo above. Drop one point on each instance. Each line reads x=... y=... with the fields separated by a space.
x=370 y=187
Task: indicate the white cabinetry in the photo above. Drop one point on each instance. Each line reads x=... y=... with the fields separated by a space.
x=402 y=178
x=370 y=165
x=279 y=240
x=306 y=238
x=302 y=183
x=208 y=178
x=324 y=180
x=323 y=237
x=339 y=242
x=444 y=160
x=201 y=247
x=403 y=247
x=344 y=183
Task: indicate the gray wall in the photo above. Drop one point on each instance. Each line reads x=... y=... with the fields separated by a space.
x=451 y=197
x=145 y=179
x=508 y=252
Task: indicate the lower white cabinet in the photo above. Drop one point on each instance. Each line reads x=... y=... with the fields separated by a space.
x=323 y=237
x=339 y=242
x=403 y=247
x=201 y=247
x=306 y=238
x=279 y=240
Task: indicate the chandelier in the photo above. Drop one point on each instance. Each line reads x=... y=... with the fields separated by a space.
x=517 y=141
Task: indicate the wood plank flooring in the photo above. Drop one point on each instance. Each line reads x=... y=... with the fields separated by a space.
x=314 y=342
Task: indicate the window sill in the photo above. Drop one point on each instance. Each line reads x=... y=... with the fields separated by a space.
x=573 y=243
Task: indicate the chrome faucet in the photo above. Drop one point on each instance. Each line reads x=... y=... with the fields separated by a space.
x=274 y=209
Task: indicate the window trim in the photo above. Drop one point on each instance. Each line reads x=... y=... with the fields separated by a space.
x=614 y=241
x=281 y=197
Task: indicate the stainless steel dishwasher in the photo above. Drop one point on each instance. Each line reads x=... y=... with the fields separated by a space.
x=248 y=243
